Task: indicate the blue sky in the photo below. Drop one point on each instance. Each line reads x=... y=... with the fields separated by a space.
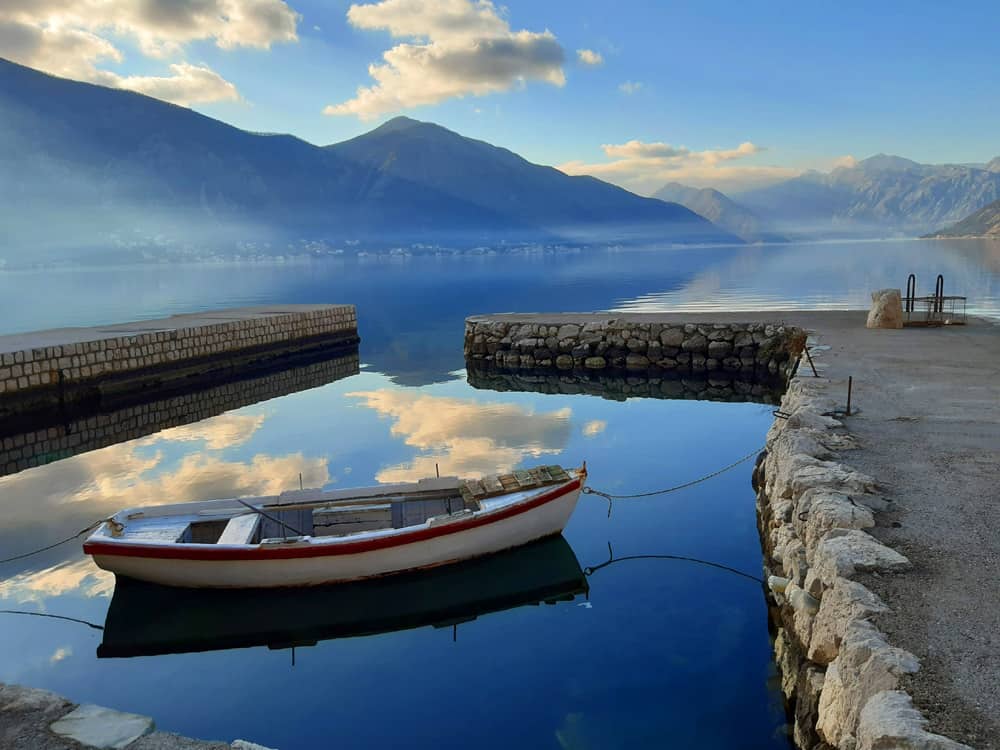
x=673 y=89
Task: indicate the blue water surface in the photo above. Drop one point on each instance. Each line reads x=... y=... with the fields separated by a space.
x=659 y=652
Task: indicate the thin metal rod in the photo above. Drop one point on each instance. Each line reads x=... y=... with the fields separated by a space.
x=809 y=357
x=850 y=387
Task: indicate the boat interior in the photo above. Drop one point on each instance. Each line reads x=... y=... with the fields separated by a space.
x=326 y=513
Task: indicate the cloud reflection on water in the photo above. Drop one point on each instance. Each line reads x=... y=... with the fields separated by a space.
x=464 y=437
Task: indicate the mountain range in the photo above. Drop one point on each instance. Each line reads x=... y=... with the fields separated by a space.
x=721 y=211
x=879 y=196
x=983 y=223
x=107 y=163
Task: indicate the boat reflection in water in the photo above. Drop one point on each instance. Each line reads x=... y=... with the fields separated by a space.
x=145 y=619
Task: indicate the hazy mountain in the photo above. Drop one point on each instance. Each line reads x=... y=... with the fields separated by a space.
x=499 y=180
x=983 y=223
x=110 y=165
x=882 y=195
x=720 y=210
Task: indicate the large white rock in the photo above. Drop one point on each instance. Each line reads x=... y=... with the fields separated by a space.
x=889 y=720
x=886 y=310
x=843 y=552
x=865 y=666
x=101 y=727
x=841 y=605
x=820 y=510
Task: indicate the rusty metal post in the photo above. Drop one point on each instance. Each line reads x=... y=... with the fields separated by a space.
x=809 y=357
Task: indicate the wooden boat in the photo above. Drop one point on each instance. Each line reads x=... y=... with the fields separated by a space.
x=145 y=619
x=313 y=537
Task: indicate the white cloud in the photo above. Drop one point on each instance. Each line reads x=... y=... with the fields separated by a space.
x=645 y=167
x=71 y=38
x=640 y=150
x=455 y=48
x=630 y=87
x=594 y=427
x=847 y=162
x=189 y=84
x=60 y=653
x=464 y=437
x=589 y=57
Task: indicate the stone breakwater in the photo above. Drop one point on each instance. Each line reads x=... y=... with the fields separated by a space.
x=634 y=343
x=38 y=445
x=714 y=386
x=71 y=364
x=841 y=676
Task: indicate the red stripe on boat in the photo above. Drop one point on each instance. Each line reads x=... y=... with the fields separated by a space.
x=208 y=552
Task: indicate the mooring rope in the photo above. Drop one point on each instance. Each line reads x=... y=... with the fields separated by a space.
x=54 y=617
x=675 y=488
x=591 y=569
x=78 y=534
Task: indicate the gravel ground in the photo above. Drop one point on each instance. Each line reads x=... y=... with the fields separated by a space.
x=929 y=427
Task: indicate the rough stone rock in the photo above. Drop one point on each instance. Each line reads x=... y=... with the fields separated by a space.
x=808 y=688
x=865 y=666
x=843 y=552
x=886 y=310
x=595 y=363
x=170 y=741
x=719 y=349
x=820 y=510
x=568 y=331
x=672 y=337
x=831 y=475
x=842 y=604
x=889 y=720
x=101 y=727
x=564 y=362
x=695 y=343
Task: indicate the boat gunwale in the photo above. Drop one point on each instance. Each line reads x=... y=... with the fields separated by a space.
x=321 y=546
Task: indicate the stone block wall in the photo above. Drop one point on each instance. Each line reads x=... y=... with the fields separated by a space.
x=633 y=346
x=35 y=447
x=111 y=356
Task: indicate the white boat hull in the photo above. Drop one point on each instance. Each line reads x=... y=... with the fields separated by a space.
x=286 y=565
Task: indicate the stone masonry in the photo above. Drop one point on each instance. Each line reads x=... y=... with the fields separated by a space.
x=50 y=362
x=636 y=343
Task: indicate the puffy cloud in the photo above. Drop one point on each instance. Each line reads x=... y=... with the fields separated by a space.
x=589 y=57
x=465 y=437
x=645 y=167
x=189 y=84
x=845 y=162
x=456 y=48
x=594 y=427
x=640 y=150
x=630 y=87
x=71 y=37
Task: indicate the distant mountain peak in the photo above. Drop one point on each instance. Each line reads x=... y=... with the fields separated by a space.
x=888 y=162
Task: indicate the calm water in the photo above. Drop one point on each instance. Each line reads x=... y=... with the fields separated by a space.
x=660 y=651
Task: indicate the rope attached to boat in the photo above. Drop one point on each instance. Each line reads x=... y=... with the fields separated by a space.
x=608 y=496
x=270 y=517
x=77 y=535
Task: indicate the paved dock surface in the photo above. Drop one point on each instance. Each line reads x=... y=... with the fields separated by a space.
x=928 y=420
x=76 y=335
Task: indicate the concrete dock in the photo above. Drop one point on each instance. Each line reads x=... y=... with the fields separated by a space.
x=50 y=369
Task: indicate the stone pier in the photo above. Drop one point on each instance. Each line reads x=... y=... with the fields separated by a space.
x=878 y=528
x=633 y=343
x=53 y=369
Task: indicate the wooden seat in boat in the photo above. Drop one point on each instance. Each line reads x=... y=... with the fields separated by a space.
x=240 y=530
